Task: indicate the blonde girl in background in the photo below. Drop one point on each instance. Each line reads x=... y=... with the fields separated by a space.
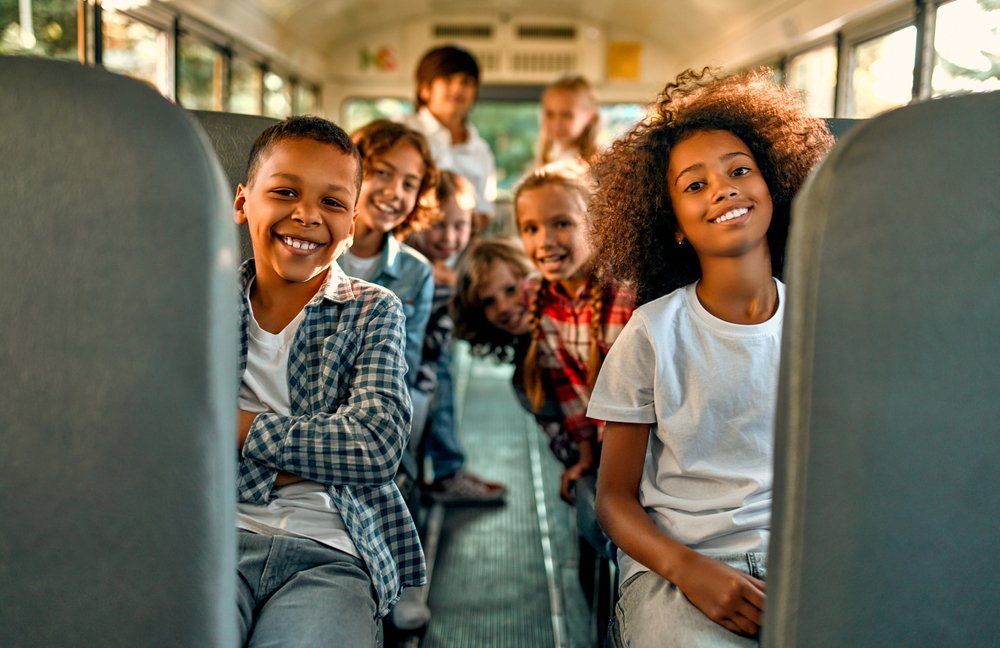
x=569 y=125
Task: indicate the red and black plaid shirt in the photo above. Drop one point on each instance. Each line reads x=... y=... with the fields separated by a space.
x=564 y=349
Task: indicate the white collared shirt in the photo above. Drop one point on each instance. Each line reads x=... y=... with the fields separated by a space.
x=472 y=158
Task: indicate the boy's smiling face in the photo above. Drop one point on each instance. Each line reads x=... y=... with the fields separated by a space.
x=300 y=208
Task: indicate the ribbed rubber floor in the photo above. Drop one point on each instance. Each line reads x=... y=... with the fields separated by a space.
x=490 y=586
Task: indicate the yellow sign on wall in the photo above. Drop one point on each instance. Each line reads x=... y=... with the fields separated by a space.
x=623 y=60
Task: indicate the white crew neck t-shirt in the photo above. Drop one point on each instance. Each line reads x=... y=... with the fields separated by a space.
x=304 y=508
x=708 y=389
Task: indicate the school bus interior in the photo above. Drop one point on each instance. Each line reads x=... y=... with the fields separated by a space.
x=121 y=331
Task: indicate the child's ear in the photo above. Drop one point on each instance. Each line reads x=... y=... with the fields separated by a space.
x=424 y=92
x=239 y=205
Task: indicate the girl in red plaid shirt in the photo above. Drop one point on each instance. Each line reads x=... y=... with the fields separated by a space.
x=577 y=313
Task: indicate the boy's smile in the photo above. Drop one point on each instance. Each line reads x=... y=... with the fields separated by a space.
x=300 y=209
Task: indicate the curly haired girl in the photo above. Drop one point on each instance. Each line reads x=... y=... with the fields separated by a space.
x=693 y=207
x=398 y=169
x=577 y=314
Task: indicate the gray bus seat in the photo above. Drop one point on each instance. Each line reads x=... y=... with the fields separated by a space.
x=232 y=135
x=887 y=458
x=119 y=355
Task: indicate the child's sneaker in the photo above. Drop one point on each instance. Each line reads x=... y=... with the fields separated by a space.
x=411 y=612
x=466 y=488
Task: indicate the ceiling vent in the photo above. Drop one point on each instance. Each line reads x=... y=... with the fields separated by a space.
x=547 y=32
x=532 y=63
x=463 y=31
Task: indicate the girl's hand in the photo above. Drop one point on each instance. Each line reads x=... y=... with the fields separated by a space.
x=569 y=477
x=729 y=597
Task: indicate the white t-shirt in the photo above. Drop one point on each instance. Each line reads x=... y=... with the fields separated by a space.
x=360 y=267
x=708 y=389
x=303 y=508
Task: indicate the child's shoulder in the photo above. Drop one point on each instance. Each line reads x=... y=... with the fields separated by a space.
x=667 y=306
x=368 y=298
x=411 y=252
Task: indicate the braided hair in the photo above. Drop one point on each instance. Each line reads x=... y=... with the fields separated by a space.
x=580 y=190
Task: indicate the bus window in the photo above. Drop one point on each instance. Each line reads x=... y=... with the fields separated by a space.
x=966 y=46
x=244 y=87
x=136 y=49
x=355 y=112
x=617 y=119
x=277 y=96
x=814 y=74
x=305 y=100
x=882 y=74
x=511 y=130
x=46 y=29
x=199 y=79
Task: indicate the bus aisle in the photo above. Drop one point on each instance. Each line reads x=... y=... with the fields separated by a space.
x=504 y=575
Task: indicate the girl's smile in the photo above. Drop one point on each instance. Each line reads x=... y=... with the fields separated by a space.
x=504 y=298
x=722 y=203
x=553 y=227
x=390 y=188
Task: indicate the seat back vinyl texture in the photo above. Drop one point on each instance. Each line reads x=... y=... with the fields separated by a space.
x=887 y=449
x=118 y=360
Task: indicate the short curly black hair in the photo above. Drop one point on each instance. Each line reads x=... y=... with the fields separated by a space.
x=633 y=221
x=302 y=127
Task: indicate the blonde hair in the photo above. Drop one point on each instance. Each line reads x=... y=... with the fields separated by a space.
x=533 y=387
x=586 y=142
x=467 y=311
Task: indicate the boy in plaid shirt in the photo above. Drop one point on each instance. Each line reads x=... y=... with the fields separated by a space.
x=326 y=541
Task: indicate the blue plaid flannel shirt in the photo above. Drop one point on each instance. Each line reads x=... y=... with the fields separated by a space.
x=349 y=423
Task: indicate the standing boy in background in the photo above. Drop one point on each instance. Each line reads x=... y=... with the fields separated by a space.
x=326 y=541
x=447 y=85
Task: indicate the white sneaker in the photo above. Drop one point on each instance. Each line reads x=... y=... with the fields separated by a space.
x=411 y=612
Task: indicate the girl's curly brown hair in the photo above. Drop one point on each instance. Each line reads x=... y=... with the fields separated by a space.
x=377 y=138
x=634 y=222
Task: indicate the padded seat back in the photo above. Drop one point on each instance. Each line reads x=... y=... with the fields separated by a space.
x=232 y=135
x=887 y=462
x=118 y=307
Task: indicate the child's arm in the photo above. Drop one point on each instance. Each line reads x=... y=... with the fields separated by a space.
x=729 y=597
x=416 y=325
x=360 y=439
x=587 y=462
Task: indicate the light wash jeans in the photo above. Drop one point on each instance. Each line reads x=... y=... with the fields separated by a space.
x=440 y=439
x=296 y=592
x=652 y=612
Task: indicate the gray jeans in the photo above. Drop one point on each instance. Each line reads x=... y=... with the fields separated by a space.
x=652 y=612
x=296 y=592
